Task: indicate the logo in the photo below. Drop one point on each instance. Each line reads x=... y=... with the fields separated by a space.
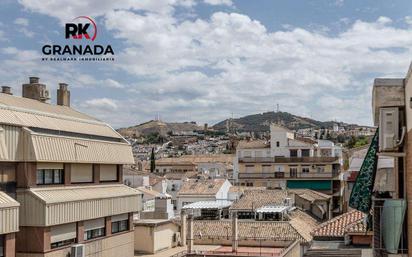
x=81 y=30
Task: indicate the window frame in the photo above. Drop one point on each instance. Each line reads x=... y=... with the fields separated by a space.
x=101 y=230
x=51 y=172
x=118 y=224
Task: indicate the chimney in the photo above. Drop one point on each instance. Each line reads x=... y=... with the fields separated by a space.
x=63 y=95
x=234 y=232
x=190 y=237
x=6 y=90
x=183 y=229
x=35 y=90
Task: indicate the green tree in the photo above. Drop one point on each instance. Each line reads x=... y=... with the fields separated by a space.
x=152 y=161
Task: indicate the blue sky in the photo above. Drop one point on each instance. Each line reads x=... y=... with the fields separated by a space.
x=202 y=60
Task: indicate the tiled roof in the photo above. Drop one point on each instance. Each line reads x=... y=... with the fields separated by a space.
x=180 y=175
x=242 y=189
x=254 y=199
x=303 y=223
x=357 y=227
x=253 y=144
x=311 y=195
x=195 y=159
x=269 y=230
x=202 y=187
x=336 y=227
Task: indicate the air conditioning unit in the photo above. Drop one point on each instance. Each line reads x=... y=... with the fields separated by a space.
x=44 y=94
x=77 y=251
x=176 y=238
x=389 y=129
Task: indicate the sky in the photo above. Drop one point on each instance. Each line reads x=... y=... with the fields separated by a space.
x=206 y=60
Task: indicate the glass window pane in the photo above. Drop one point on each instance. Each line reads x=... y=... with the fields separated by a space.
x=39 y=179
x=115 y=227
x=48 y=176
x=123 y=225
x=58 y=177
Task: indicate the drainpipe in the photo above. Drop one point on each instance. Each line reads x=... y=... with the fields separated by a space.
x=234 y=232
x=183 y=227
x=190 y=234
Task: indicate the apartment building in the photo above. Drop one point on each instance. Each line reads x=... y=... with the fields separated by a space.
x=290 y=161
x=392 y=113
x=64 y=168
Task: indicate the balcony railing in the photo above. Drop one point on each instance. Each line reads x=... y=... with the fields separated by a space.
x=289 y=159
x=263 y=175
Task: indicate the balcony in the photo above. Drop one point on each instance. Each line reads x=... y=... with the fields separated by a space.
x=308 y=160
x=305 y=175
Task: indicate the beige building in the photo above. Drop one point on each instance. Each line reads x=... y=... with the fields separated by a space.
x=156 y=235
x=392 y=113
x=290 y=161
x=64 y=168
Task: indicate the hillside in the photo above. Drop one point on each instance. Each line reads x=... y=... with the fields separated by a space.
x=160 y=127
x=261 y=122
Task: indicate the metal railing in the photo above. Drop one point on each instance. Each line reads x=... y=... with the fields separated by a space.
x=379 y=233
x=243 y=175
x=289 y=159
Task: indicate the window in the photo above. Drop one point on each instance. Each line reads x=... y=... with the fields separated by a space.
x=108 y=173
x=49 y=176
x=63 y=235
x=1 y=246
x=305 y=152
x=266 y=168
x=81 y=173
x=305 y=169
x=249 y=184
x=249 y=168
x=94 y=228
x=277 y=143
x=293 y=153
x=320 y=169
x=119 y=226
x=94 y=233
x=293 y=172
x=62 y=243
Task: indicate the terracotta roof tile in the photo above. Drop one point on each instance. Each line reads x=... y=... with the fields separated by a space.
x=269 y=230
x=202 y=187
x=336 y=227
x=254 y=199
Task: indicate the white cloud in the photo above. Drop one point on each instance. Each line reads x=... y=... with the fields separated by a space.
x=21 y=22
x=101 y=104
x=219 y=2
x=203 y=69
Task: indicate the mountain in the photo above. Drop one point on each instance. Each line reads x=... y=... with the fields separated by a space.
x=160 y=127
x=261 y=122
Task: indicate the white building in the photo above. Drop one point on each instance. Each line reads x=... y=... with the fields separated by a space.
x=203 y=190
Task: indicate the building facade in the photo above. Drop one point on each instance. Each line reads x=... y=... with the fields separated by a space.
x=289 y=161
x=64 y=169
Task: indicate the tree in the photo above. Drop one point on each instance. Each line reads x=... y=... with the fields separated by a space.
x=152 y=161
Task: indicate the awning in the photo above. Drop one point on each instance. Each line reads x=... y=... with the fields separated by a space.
x=208 y=205
x=272 y=209
x=59 y=205
x=49 y=148
x=9 y=214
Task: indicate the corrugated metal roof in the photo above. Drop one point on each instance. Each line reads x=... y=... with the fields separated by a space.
x=208 y=205
x=272 y=209
x=6 y=201
x=64 y=149
x=31 y=113
x=81 y=193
